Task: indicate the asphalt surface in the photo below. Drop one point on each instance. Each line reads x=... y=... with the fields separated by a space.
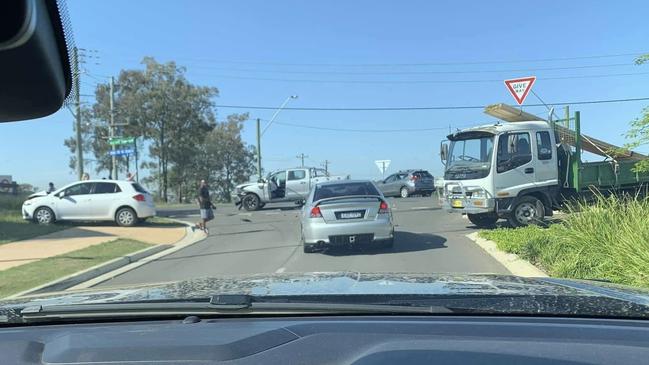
x=427 y=240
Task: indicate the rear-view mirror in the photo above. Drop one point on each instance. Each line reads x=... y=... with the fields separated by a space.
x=443 y=152
x=35 y=66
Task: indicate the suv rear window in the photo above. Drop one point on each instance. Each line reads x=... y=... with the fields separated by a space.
x=423 y=174
x=139 y=188
x=345 y=189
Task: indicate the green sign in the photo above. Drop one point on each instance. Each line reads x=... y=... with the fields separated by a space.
x=121 y=140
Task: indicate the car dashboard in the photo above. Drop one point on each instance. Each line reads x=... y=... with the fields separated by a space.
x=333 y=340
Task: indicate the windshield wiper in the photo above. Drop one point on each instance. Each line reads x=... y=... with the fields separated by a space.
x=220 y=305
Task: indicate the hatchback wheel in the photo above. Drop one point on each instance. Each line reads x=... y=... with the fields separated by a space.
x=126 y=217
x=44 y=215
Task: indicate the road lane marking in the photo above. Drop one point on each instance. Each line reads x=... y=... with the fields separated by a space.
x=280 y=270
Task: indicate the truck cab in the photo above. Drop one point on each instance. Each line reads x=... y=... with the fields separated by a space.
x=287 y=185
x=501 y=171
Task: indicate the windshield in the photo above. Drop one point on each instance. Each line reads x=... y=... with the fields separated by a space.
x=469 y=158
x=199 y=137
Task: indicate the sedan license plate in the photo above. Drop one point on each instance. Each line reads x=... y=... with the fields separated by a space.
x=351 y=215
x=456 y=203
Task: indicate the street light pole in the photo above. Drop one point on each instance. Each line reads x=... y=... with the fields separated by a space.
x=272 y=119
x=261 y=133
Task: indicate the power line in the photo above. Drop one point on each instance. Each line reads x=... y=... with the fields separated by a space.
x=415 y=81
x=441 y=63
x=427 y=72
x=456 y=107
x=359 y=130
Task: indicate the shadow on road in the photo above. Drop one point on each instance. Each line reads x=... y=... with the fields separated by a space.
x=177 y=212
x=403 y=242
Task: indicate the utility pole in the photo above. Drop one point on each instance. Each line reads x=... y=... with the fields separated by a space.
x=259 y=149
x=77 y=116
x=326 y=165
x=302 y=156
x=137 y=175
x=111 y=131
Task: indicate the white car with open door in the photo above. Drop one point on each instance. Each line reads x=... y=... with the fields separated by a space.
x=124 y=202
x=290 y=185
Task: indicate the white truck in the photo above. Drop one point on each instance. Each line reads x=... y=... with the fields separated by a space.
x=290 y=185
x=522 y=169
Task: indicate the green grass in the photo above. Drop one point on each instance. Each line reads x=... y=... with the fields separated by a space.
x=12 y=203
x=14 y=228
x=23 y=277
x=12 y=225
x=608 y=240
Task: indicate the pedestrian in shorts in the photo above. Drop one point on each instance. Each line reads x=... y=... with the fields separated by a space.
x=205 y=205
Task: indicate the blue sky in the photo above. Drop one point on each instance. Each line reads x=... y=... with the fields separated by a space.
x=234 y=44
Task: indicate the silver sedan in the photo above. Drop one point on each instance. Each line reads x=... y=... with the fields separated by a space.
x=346 y=213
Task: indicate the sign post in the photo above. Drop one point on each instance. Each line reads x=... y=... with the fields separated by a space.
x=519 y=88
x=382 y=165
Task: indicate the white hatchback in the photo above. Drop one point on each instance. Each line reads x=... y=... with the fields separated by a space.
x=124 y=202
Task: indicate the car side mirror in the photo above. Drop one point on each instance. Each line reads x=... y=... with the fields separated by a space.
x=35 y=59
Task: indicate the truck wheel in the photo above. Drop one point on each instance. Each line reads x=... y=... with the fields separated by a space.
x=483 y=220
x=404 y=192
x=250 y=202
x=528 y=210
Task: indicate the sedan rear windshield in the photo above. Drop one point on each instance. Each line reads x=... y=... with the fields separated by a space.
x=344 y=189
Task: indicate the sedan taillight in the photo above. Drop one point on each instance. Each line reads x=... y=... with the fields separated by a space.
x=139 y=197
x=384 y=208
x=316 y=213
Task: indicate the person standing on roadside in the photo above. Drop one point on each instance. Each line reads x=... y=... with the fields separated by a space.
x=85 y=176
x=205 y=205
x=51 y=188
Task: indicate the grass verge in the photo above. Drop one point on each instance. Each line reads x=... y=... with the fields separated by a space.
x=608 y=240
x=23 y=277
x=12 y=225
x=14 y=228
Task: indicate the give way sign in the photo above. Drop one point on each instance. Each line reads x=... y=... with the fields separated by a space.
x=519 y=88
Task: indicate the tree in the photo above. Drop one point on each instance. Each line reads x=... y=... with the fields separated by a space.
x=638 y=135
x=230 y=160
x=162 y=107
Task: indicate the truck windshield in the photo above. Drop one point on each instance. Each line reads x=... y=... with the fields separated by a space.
x=469 y=158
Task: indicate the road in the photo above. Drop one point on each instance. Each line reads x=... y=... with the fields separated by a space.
x=267 y=241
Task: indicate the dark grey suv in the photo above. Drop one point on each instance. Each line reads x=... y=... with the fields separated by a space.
x=406 y=183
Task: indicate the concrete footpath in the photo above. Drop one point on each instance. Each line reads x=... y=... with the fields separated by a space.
x=22 y=252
